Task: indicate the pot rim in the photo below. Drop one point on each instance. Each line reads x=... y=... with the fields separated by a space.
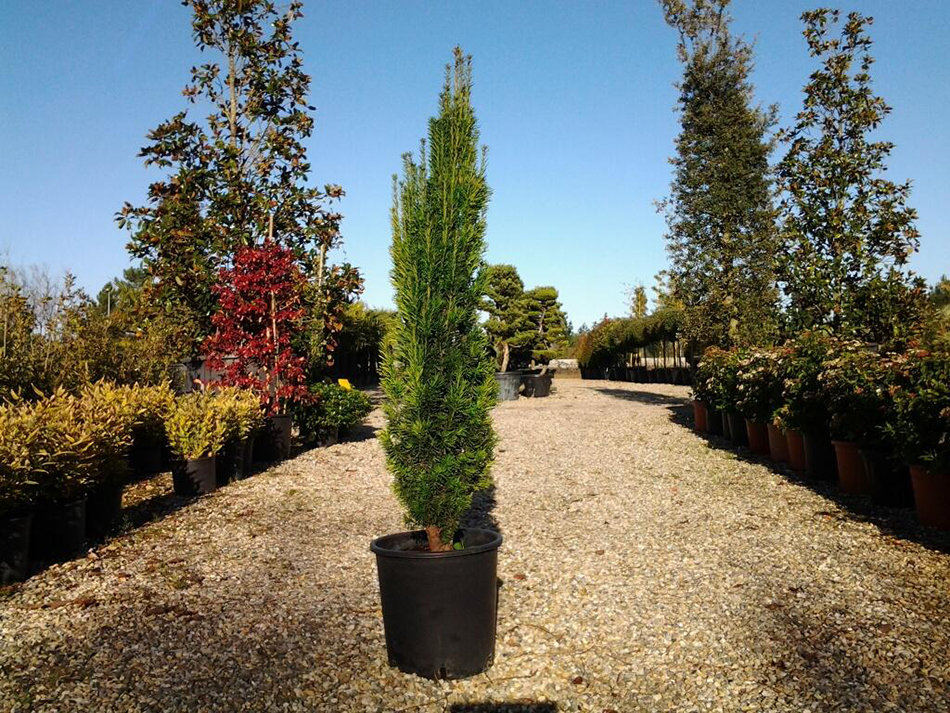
x=378 y=547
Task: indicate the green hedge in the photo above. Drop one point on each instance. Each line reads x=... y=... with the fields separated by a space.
x=609 y=342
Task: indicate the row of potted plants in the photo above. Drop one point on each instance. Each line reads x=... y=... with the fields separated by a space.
x=65 y=459
x=833 y=408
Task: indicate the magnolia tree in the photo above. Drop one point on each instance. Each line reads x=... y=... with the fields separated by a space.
x=438 y=377
x=237 y=171
x=255 y=327
x=848 y=231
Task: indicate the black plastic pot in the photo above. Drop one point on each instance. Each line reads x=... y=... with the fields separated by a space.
x=714 y=420
x=194 y=477
x=508 y=383
x=247 y=457
x=229 y=463
x=737 y=430
x=890 y=482
x=820 y=461
x=145 y=455
x=536 y=386
x=279 y=428
x=15 y=547
x=329 y=437
x=103 y=509
x=59 y=531
x=439 y=608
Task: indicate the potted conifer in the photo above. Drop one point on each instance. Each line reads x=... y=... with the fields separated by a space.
x=438 y=583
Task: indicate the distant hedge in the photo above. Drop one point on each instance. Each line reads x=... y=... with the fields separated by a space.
x=612 y=339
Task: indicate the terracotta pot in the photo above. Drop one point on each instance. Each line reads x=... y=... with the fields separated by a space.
x=758 y=435
x=737 y=430
x=713 y=421
x=819 y=456
x=852 y=476
x=931 y=496
x=796 y=450
x=778 y=444
x=889 y=481
x=700 y=420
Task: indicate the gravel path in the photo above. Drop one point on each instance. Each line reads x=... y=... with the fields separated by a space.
x=644 y=569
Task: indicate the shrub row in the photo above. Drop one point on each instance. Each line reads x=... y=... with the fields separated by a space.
x=846 y=391
x=610 y=341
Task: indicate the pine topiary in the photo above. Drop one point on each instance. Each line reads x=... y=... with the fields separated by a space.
x=439 y=378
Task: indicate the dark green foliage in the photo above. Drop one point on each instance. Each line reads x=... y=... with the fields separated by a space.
x=847 y=231
x=612 y=340
x=548 y=322
x=333 y=406
x=509 y=326
x=240 y=175
x=720 y=214
x=438 y=378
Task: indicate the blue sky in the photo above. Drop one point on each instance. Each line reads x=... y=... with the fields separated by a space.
x=574 y=99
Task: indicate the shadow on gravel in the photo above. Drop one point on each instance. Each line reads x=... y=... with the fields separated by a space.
x=503 y=708
x=647 y=397
x=482 y=512
x=363 y=432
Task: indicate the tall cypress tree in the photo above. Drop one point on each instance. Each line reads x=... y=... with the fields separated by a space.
x=847 y=230
x=720 y=213
x=438 y=377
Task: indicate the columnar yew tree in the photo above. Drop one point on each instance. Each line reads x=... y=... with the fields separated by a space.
x=241 y=169
x=720 y=214
x=847 y=230
x=438 y=379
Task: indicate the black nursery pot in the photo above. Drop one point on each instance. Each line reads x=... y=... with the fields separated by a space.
x=439 y=608
x=103 y=509
x=247 y=457
x=229 y=463
x=15 y=547
x=145 y=455
x=278 y=431
x=714 y=420
x=59 y=531
x=195 y=477
x=737 y=430
x=536 y=386
x=890 y=483
x=508 y=383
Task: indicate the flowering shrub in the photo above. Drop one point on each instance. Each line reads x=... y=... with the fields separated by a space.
x=717 y=378
x=919 y=421
x=760 y=381
x=259 y=317
x=855 y=384
x=804 y=406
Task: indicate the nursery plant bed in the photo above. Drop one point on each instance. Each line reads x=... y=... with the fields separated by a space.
x=439 y=608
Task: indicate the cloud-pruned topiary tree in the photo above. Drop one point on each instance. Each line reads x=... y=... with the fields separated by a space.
x=438 y=377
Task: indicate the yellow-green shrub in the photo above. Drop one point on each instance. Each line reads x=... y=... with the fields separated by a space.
x=195 y=427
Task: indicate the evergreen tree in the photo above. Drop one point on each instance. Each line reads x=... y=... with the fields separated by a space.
x=549 y=324
x=847 y=230
x=639 y=303
x=509 y=326
x=720 y=213
x=438 y=378
x=242 y=174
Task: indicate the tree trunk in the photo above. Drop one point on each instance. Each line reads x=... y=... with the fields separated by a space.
x=435 y=539
x=504 y=357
